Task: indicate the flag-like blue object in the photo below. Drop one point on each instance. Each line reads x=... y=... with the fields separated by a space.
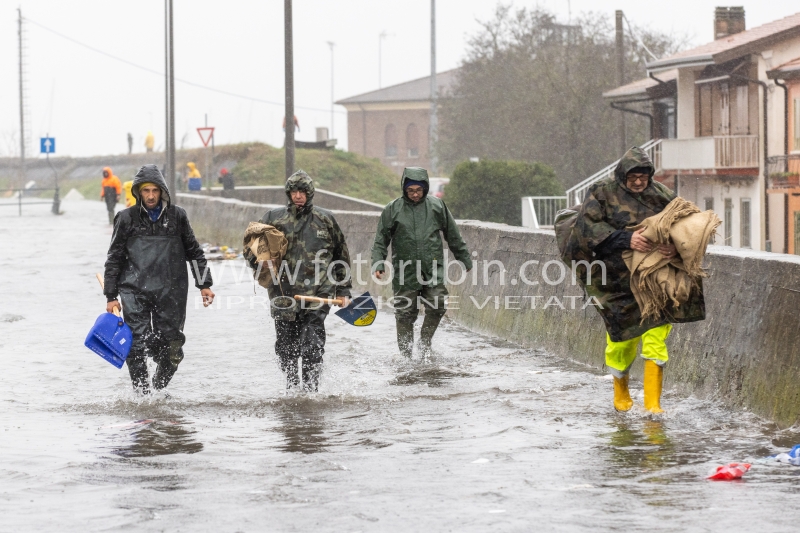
x=360 y=312
x=110 y=338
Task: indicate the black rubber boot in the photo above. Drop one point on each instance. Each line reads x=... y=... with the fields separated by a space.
x=311 y=374
x=429 y=326
x=405 y=337
x=170 y=357
x=137 y=367
x=111 y=217
x=289 y=367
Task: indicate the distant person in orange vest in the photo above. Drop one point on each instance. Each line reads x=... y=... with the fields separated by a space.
x=110 y=189
x=149 y=141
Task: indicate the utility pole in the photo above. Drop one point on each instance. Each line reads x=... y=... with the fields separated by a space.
x=331 y=44
x=289 y=74
x=21 y=107
x=620 y=81
x=171 y=141
x=434 y=92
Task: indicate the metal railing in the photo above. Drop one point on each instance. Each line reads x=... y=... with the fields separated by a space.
x=577 y=193
x=783 y=171
x=20 y=195
x=736 y=151
x=539 y=212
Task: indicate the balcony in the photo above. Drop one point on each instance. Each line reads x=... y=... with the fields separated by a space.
x=710 y=153
x=783 y=171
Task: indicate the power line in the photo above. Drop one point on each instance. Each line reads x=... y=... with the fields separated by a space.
x=152 y=71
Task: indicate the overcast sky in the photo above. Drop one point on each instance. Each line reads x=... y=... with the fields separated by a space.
x=89 y=101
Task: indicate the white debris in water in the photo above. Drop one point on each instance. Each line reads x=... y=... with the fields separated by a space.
x=480 y=461
x=494 y=511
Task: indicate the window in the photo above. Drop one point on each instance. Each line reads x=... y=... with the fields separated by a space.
x=796 y=123
x=709 y=203
x=390 y=140
x=728 y=222
x=724 y=120
x=412 y=140
x=704 y=127
x=740 y=111
x=745 y=223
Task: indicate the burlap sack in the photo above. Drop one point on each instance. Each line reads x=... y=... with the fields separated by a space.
x=265 y=245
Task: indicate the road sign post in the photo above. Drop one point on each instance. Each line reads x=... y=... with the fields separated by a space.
x=47 y=146
x=206 y=135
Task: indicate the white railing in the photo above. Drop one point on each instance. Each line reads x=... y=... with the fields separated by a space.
x=577 y=193
x=736 y=151
x=539 y=212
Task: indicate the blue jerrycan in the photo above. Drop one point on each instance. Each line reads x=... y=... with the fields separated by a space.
x=110 y=338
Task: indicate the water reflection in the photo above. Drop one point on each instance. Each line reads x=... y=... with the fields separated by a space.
x=302 y=422
x=151 y=437
x=430 y=375
x=635 y=446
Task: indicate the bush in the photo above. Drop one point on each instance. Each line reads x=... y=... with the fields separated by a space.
x=491 y=190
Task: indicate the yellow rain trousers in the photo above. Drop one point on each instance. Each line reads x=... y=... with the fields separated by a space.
x=620 y=355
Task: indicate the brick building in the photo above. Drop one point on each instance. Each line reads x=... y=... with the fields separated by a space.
x=393 y=123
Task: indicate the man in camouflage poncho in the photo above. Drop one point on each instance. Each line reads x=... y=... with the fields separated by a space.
x=602 y=232
x=316 y=263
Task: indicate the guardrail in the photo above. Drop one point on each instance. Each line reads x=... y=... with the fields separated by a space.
x=539 y=212
x=20 y=195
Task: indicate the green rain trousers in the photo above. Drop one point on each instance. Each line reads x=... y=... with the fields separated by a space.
x=621 y=355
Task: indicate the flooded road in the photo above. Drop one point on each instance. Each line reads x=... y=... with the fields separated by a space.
x=484 y=436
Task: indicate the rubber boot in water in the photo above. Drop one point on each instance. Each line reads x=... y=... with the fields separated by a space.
x=405 y=337
x=289 y=368
x=622 y=397
x=168 y=363
x=311 y=373
x=653 y=383
x=137 y=367
x=429 y=326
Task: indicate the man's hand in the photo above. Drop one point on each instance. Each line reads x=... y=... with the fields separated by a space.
x=379 y=274
x=667 y=250
x=641 y=243
x=345 y=301
x=111 y=305
x=208 y=297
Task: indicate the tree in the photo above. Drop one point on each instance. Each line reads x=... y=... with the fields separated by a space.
x=531 y=90
x=491 y=190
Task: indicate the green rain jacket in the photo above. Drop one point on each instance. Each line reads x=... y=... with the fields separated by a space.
x=413 y=231
x=609 y=210
x=313 y=235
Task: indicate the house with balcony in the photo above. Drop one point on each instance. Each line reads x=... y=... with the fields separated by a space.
x=719 y=115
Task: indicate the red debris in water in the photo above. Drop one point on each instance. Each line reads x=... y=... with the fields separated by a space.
x=730 y=471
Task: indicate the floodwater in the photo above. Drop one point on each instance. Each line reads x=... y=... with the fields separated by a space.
x=484 y=436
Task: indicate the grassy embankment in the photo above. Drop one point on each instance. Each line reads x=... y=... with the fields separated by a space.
x=252 y=164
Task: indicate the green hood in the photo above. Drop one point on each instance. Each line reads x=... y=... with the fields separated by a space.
x=300 y=181
x=635 y=157
x=415 y=174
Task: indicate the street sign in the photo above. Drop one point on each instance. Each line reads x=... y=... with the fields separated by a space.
x=47 y=145
x=205 y=135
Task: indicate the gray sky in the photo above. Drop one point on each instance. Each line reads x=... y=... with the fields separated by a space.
x=89 y=102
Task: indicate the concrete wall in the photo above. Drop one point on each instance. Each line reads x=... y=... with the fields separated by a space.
x=276 y=195
x=746 y=353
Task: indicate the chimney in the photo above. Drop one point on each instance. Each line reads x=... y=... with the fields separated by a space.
x=727 y=21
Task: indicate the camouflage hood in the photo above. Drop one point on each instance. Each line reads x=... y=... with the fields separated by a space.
x=633 y=158
x=300 y=181
x=150 y=174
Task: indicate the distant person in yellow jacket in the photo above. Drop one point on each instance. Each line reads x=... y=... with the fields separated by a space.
x=149 y=141
x=193 y=173
x=130 y=199
x=110 y=189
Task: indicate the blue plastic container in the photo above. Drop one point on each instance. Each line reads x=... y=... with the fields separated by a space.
x=195 y=184
x=110 y=338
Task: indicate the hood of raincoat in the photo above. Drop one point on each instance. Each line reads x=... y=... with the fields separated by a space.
x=633 y=158
x=150 y=174
x=300 y=181
x=415 y=174
x=108 y=169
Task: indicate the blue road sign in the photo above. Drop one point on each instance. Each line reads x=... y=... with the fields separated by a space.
x=47 y=145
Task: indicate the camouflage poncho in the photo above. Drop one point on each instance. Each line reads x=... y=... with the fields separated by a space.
x=610 y=206
x=313 y=234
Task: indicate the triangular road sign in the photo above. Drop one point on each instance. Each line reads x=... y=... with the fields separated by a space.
x=205 y=135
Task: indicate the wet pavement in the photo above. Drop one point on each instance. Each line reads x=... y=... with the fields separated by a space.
x=485 y=435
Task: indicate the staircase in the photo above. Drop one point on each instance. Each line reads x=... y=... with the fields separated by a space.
x=538 y=212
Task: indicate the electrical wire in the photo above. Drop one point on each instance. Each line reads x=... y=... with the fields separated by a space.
x=152 y=71
x=633 y=36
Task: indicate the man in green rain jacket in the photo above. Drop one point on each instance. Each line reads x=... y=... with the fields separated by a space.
x=602 y=231
x=412 y=225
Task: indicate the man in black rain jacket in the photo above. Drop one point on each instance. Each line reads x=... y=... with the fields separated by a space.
x=146 y=268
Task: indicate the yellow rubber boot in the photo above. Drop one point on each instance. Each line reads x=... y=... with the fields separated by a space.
x=622 y=398
x=653 y=383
